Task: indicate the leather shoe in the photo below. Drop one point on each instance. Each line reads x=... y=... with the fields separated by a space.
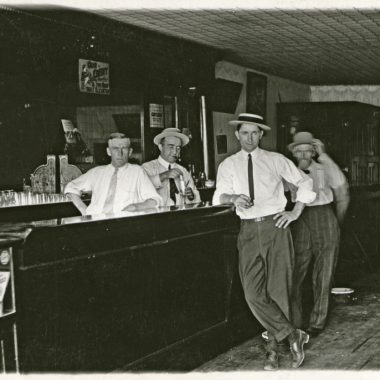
x=297 y=339
x=313 y=331
x=271 y=361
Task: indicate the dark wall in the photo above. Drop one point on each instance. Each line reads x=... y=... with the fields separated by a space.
x=40 y=49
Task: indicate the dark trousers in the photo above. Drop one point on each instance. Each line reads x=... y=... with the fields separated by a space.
x=315 y=234
x=266 y=259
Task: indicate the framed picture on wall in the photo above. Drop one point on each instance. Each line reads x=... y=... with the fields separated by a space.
x=256 y=94
x=94 y=77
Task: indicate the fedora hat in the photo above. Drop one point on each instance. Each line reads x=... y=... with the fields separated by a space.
x=250 y=118
x=301 y=138
x=171 y=132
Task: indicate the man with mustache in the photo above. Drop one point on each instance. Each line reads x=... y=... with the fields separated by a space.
x=166 y=174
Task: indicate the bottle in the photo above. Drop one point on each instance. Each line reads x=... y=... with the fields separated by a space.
x=202 y=180
x=26 y=188
x=182 y=184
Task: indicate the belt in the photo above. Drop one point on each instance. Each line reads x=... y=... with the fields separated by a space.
x=259 y=219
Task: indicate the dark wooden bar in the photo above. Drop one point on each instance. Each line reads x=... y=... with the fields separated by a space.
x=157 y=291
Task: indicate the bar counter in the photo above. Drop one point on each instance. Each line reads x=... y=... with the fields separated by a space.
x=149 y=291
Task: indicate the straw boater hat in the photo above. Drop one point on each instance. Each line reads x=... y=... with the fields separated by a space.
x=249 y=118
x=301 y=138
x=171 y=132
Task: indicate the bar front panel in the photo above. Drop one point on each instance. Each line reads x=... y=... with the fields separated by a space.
x=95 y=296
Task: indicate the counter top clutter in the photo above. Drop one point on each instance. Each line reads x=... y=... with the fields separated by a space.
x=10 y=198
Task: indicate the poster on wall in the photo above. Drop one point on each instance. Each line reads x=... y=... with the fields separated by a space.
x=94 y=77
x=156 y=115
x=256 y=94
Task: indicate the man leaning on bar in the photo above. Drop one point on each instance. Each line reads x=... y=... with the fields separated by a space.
x=252 y=180
x=118 y=186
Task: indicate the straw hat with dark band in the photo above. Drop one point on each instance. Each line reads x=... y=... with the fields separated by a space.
x=249 y=118
x=175 y=132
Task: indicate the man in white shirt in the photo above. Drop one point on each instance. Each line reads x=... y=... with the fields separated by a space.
x=166 y=174
x=115 y=187
x=252 y=180
x=316 y=233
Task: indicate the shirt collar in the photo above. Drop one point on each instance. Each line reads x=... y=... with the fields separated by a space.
x=112 y=168
x=253 y=154
x=164 y=163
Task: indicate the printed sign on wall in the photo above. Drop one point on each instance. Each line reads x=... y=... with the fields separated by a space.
x=94 y=77
x=156 y=115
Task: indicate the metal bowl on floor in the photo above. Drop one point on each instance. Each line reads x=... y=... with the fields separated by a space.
x=342 y=296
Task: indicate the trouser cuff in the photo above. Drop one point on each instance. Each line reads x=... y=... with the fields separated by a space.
x=284 y=333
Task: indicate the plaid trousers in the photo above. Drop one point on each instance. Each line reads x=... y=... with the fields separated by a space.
x=315 y=234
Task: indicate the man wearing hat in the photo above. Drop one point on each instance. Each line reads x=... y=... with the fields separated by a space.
x=252 y=180
x=115 y=187
x=316 y=232
x=166 y=175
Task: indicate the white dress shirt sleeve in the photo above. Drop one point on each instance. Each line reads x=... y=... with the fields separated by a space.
x=335 y=176
x=151 y=168
x=303 y=183
x=81 y=184
x=146 y=189
x=224 y=182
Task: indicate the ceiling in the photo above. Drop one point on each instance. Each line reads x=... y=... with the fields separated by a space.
x=316 y=47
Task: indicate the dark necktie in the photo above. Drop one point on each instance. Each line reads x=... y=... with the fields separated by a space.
x=306 y=171
x=108 y=204
x=173 y=188
x=250 y=178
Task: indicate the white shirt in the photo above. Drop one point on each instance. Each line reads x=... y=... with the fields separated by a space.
x=133 y=186
x=269 y=170
x=155 y=167
x=326 y=176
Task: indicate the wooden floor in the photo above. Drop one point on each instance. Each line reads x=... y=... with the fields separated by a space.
x=351 y=340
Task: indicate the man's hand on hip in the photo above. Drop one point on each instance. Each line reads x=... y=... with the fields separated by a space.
x=284 y=218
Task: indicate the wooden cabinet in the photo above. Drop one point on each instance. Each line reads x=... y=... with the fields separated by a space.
x=350 y=131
